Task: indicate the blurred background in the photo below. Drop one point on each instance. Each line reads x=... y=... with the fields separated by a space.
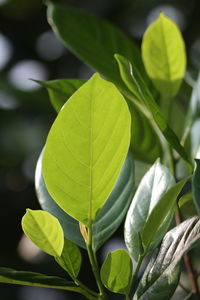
x=29 y=49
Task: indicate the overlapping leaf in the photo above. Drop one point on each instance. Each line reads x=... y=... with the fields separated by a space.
x=86 y=148
x=153 y=186
x=135 y=83
x=161 y=276
x=196 y=185
x=110 y=216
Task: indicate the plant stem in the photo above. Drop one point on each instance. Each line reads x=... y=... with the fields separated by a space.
x=94 y=264
x=132 y=284
x=84 y=287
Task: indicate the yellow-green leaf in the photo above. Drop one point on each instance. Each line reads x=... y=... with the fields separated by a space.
x=163 y=53
x=44 y=230
x=86 y=148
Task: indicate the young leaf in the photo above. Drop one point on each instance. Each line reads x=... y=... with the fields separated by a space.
x=161 y=276
x=61 y=90
x=35 y=279
x=196 y=185
x=153 y=186
x=164 y=57
x=86 y=148
x=116 y=272
x=134 y=81
x=70 y=259
x=44 y=230
x=109 y=217
x=160 y=211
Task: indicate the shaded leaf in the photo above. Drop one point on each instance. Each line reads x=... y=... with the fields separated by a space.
x=135 y=83
x=44 y=230
x=164 y=57
x=70 y=259
x=196 y=185
x=86 y=148
x=110 y=216
x=162 y=273
x=116 y=272
x=152 y=187
x=61 y=90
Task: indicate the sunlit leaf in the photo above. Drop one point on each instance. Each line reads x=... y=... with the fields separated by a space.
x=164 y=57
x=44 y=230
x=86 y=148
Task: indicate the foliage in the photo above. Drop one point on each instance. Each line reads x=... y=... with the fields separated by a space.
x=85 y=177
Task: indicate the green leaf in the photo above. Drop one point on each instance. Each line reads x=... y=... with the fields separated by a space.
x=109 y=217
x=94 y=36
x=116 y=272
x=44 y=230
x=35 y=279
x=196 y=185
x=70 y=259
x=161 y=276
x=164 y=57
x=166 y=204
x=86 y=148
x=61 y=90
x=153 y=186
x=139 y=89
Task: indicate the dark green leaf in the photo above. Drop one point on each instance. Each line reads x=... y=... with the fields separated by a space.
x=61 y=90
x=161 y=276
x=165 y=207
x=108 y=219
x=116 y=272
x=70 y=259
x=153 y=186
x=196 y=185
x=134 y=81
x=34 y=279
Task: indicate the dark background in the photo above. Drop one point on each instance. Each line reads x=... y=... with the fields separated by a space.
x=28 y=49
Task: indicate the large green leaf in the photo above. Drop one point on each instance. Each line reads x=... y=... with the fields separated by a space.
x=44 y=230
x=110 y=216
x=35 y=279
x=70 y=259
x=97 y=40
x=158 y=215
x=196 y=185
x=164 y=57
x=161 y=276
x=153 y=186
x=86 y=148
x=116 y=272
x=137 y=86
x=61 y=90
x=98 y=36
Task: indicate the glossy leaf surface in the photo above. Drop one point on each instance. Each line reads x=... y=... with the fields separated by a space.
x=61 y=90
x=164 y=57
x=116 y=272
x=86 y=148
x=161 y=276
x=110 y=216
x=70 y=259
x=158 y=215
x=44 y=230
x=134 y=81
x=153 y=186
x=196 y=185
